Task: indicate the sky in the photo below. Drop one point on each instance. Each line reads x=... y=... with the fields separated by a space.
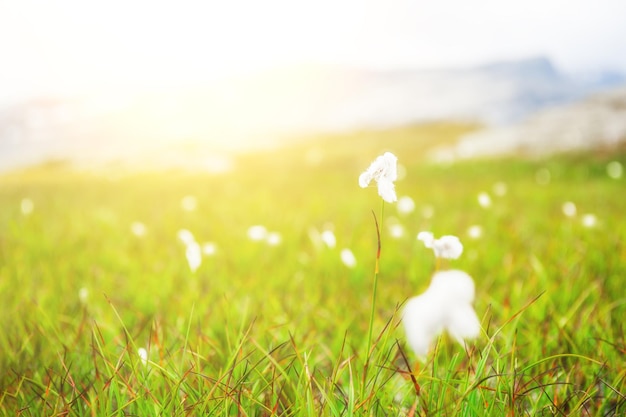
x=82 y=46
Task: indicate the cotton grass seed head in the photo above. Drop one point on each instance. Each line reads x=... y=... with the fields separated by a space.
x=614 y=170
x=273 y=238
x=83 y=295
x=27 y=206
x=143 y=356
x=428 y=211
x=445 y=306
x=347 y=257
x=484 y=200
x=405 y=205
x=193 y=253
x=329 y=239
x=209 y=248
x=186 y=236
x=384 y=170
x=396 y=230
x=427 y=237
x=257 y=232
x=138 y=229
x=189 y=203
x=543 y=176
x=448 y=247
x=589 y=220
x=500 y=189
x=475 y=231
x=569 y=209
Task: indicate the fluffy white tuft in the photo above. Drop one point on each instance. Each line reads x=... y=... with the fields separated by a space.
x=445 y=305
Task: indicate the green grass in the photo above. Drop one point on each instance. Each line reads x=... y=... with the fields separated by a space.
x=282 y=330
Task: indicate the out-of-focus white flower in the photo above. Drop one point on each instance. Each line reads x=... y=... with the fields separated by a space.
x=347 y=257
x=614 y=170
x=27 y=206
x=257 y=232
x=405 y=205
x=143 y=355
x=475 y=231
x=186 y=236
x=569 y=209
x=385 y=171
x=396 y=230
x=189 y=203
x=445 y=306
x=542 y=176
x=194 y=256
x=484 y=200
x=589 y=220
x=273 y=238
x=427 y=237
x=138 y=229
x=329 y=239
x=449 y=247
x=500 y=189
x=83 y=295
x=209 y=248
x=428 y=212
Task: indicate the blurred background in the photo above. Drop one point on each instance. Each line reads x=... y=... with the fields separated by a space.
x=152 y=84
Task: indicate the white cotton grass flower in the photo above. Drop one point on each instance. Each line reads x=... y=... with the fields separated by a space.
x=589 y=220
x=257 y=232
x=445 y=306
x=484 y=200
x=329 y=239
x=428 y=211
x=209 y=248
x=427 y=237
x=448 y=246
x=500 y=189
x=475 y=231
x=143 y=356
x=405 y=205
x=347 y=257
x=189 y=203
x=614 y=170
x=273 y=238
x=193 y=253
x=569 y=209
x=396 y=230
x=543 y=176
x=384 y=170
x=27 y=206
x=186 y=236
x=138 y=229
x=83 y=295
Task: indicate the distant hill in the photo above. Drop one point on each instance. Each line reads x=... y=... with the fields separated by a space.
x=262 y=110
x=596 y=122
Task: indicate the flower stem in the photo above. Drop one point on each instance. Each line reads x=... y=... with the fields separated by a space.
x=369 y=346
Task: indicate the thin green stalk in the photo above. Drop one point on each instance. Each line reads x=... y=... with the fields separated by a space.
x=373 y=303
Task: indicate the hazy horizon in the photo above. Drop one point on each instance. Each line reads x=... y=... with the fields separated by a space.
x=72 y=47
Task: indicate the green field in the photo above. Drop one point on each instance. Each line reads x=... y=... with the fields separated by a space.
x=261 y=330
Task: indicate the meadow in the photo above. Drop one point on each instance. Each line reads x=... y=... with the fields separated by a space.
x=102 y=314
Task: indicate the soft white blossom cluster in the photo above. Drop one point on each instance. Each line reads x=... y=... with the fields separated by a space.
x=259 y=233
x=384 y=170
x=445 y=306
x=193 y=250
x=448 y=247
